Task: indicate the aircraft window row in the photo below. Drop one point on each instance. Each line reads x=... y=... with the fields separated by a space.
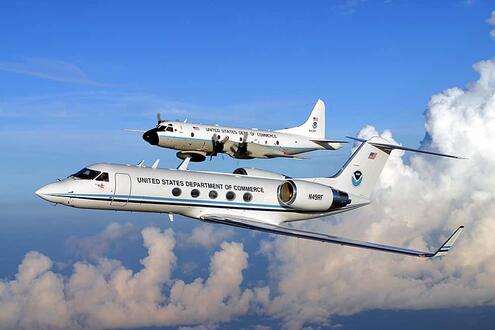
x=103 y=177
x=230 y=195
x=86 y=174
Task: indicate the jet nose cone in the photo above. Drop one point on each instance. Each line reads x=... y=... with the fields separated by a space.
x=151 y=136
x=42 y=193
x=49 y=192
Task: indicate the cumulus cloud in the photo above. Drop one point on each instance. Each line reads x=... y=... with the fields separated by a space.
x=108 y=295
x=94 y=247
x=207 y=235
x=417 y=204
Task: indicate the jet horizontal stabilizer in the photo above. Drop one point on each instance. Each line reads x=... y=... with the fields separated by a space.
x=389 y=147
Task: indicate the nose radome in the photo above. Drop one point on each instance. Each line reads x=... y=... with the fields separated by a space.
x=41 y=192
x=46 y=192
x=151 y=136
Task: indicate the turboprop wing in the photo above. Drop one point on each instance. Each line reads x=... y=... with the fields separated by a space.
x=254 y=150
x=288 y=231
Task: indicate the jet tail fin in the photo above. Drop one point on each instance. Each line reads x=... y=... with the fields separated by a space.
x=314 y=127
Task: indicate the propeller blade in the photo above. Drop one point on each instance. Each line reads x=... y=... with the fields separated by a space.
x=242 y=147
x=158 y=118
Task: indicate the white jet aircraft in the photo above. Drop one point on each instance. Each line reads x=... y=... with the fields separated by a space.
x=248 y=198
x=199 y=141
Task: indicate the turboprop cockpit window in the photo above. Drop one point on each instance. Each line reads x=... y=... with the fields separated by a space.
x=86 y=174
x=168 y=128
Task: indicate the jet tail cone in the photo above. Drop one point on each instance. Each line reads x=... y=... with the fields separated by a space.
x=151 y=136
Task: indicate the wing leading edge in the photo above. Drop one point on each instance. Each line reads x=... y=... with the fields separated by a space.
x=287 y=231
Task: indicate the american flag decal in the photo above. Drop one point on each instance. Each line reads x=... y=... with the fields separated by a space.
x=372 y=155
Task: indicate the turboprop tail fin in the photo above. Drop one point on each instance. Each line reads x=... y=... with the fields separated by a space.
x=360 y=173
x=314 y=127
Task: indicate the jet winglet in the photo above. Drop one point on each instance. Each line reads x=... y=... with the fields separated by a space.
x=449 y=243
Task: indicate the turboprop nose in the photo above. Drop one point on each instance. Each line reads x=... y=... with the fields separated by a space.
x=151 y=136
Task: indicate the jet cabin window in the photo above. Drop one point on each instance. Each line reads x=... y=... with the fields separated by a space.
x=103 y=177
x=86 y=174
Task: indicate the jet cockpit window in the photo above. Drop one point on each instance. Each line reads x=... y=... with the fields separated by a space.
x=103 y=177
x=86 y=174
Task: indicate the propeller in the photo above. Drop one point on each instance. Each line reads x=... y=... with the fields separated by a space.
x=218 y=145
x=159 y=119
x=242 y=147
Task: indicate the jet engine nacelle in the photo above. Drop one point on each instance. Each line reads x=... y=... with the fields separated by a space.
x=310 y=196
x=260 y=173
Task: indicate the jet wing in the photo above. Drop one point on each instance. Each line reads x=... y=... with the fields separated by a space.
x=293 y=232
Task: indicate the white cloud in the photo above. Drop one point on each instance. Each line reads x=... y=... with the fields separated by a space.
x=207 y=235
x=50 y=69
x=416 y=204
x=108 y=295
x=491 y=21
x=97 y=245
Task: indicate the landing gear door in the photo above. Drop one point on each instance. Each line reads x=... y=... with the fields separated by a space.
x=122 y=189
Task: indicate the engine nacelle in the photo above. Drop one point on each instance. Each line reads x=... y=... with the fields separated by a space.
x=260 y=173
x=309 y=196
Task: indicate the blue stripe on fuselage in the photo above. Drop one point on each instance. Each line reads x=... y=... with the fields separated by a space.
x=181 y=200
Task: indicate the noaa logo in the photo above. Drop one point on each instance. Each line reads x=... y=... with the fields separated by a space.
x=315 y=124
x=357 y=177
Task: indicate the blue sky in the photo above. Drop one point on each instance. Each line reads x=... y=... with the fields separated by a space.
x=72 y=75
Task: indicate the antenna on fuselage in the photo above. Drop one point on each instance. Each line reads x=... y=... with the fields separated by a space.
x=140 y=164
x=155 y=164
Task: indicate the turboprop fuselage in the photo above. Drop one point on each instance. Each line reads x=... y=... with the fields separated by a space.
x=236 y=142
x=199 y=141
x=193 y=194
